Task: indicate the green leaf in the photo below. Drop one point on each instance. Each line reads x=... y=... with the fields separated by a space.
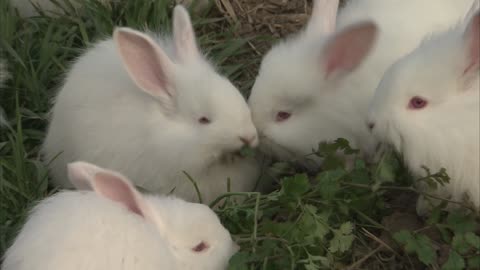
x=311 y=266
x=434 y=216
x=239 y=261
x=474 y=262
x=386 y=169
x=360 y=176
x=341 y=243
x=296 y=186
x=460 y=244
x=321 y=229
x=247 y=151
x=311 y=209
x=281 y=168
x=445 y=232
x=454 y=262
x=460 y=222
x=344 y=145
x=323 y=260
x=425 y=251
x=473 y=240
x=278 y=228
x=329 y=181
x=333 y=162
x=360 y=164
x=342 y=239
x=305 y=230
x=418 y=244
x=330 y=153
x=403 y=237
x=316 y=224
x=346 y=228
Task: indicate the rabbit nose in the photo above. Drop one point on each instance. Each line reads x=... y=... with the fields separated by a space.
x=371 y=126
x=249 y=140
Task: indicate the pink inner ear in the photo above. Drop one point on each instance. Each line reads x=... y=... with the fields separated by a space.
x=144 y=61
x=116 y=189
x=472 y=37
x=349 y=48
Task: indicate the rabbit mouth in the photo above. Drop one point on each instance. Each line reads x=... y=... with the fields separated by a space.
x=231 y=157
x=393 y=138
x=275 y=149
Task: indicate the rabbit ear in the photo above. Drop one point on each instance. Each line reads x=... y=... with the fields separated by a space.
x=324 y=16
x=347 y=49
x=108 y=184
x=147 y=64
x=473 y=10
x=472 y=44
x=117 y=188
x=81 y=173
x=184 y=35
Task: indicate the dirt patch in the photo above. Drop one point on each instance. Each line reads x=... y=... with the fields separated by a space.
x=271 y=17
x=262 y=22
x=274 y=18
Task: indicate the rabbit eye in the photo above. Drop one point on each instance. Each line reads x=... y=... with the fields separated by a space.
x=417 y=103
x=282 y=116
x=204 y=120
x=200 y=247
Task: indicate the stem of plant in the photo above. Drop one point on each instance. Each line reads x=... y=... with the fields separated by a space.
x=412 y=190
x=255 y=222
x=218 y=199
x=196 y=187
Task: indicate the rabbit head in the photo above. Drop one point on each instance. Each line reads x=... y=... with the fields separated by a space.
x=295 y=100
x=193 y=232
x=203 y=103
x=427 y=107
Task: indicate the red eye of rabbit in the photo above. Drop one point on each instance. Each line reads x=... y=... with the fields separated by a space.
x=417 y=103
x=204 y=120
x=200 y=247
x=282 y=116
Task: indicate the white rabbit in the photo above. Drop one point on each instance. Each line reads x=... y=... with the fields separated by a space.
x=117 y=228
x=317 y=86
x=152 y=110
x=428 y=107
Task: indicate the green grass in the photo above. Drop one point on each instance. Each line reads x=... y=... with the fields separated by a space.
x=331 y=219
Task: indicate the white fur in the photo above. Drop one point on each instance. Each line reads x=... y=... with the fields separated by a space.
x=102 y=115
x=446 y=132
x=79 y=230
x=292 y=78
